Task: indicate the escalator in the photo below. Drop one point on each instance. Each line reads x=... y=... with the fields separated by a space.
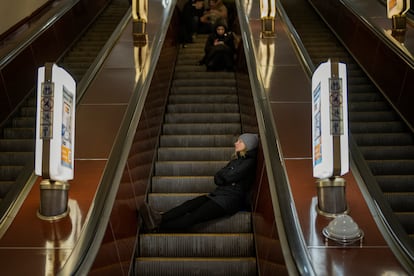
x=201 y=123
x=381 y=135
x=17 y=140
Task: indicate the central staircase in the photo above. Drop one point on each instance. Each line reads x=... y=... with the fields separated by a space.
x=201 y=124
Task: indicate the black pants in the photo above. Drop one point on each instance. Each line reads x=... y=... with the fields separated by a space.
x=189 y=21
x=220 y=58
x=191 y=212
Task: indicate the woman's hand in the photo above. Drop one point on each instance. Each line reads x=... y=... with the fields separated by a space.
x=218 y=42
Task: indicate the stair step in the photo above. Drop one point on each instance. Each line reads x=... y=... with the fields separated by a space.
x=17 y=145
x=203 y=75
x=377 y=127
x=383 y=139
x=187 y=168
x=196 y=245
x=393 y=167
x=212 y=98
x=244 y=266
x=202 y=118
x=182 y=184
x=203 y=90
x=203 y=108
x=396 y=183
x=221 y=140
x=208 y=129
x=194 y=154
x=16 y=158
x=204 y=82
x=392 y=152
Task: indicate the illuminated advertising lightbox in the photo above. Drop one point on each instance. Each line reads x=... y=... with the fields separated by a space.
x=397 y=7
x=330 y=155
x=55 y=124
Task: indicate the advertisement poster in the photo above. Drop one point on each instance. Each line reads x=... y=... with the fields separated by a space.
x=317 y=130
x=67 y=128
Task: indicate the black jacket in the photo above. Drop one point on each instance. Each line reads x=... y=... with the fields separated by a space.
x=234 y=182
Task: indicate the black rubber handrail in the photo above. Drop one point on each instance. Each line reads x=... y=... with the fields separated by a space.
x=60 y=11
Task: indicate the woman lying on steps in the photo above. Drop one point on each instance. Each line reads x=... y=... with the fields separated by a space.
x=233 y=185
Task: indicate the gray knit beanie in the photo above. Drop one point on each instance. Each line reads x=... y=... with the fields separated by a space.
x=251 y=140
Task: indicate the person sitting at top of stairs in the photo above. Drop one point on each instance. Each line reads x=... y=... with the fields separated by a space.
x=219 y=49
x=215 y=11
x=233 y=185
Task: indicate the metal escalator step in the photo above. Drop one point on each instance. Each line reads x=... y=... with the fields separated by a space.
x=202 y=75
x=396 y=183
x=383 y=139
x=17 y=145
x=182 y=184
x=24 y=122
x=364 y=106
x=5 y=187
x=220 y=140
x=195 y=98
x=202 y=108
x=202 y=118
x=400 y=202
x=196 y=245
x=16 y=158
x=377 y=127
x=19 y=133
x=245 y=266
x=391 y=167
x=366 y=116
x=207 y=129
x=363 y=92
x=194 y=154
x=185 y=168
x=407 y=220
x=388 y=153
x=203 y=90
x=10 y=172
x=204 y=82
x=28 y=111
x=189 y=68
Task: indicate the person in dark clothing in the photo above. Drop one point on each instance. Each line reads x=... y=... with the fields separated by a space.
x=189 y=20
x=219 y=49
x=230 y=196
x=215 y=11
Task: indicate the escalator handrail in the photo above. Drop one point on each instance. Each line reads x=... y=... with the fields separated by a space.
x=86 y=249
x=299 y=47
x=391 y=43
x=296 y=255
x=61 y=11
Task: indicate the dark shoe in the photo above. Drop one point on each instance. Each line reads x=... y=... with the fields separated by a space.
x=150 y=217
